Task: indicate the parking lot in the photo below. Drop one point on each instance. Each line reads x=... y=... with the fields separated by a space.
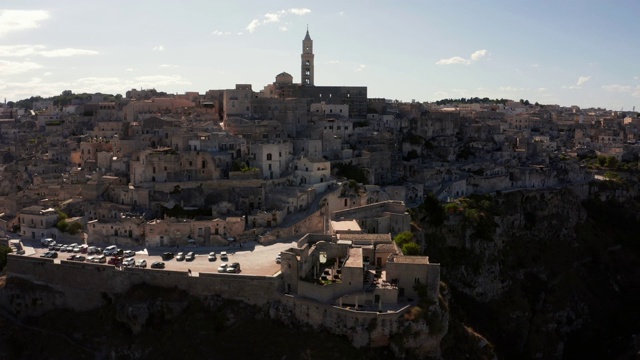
x=254 y=259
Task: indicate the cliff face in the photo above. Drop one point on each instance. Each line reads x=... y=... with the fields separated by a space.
x=149 y=322
x=544 y=274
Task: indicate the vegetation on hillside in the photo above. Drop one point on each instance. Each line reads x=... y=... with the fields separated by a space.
x=4 y=250
x=350 y=171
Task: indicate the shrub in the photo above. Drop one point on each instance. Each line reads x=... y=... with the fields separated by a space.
x=411 y=249
x=403 y=238
x=4 y=250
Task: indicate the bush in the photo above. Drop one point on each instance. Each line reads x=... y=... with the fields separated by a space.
x=74 y=228
x=62 y=225
x=411 y=249
x=403 y=238
x=4 y=250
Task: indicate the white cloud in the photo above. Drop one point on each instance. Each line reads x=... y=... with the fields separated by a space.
x=48 y=73
x=582 y=80
x=361 y=67
x=158 y=48
x=16 y=67
x=298 y=11
x=67 y=52
x=253 y=25
x=168 y=66
x=130 y=69
x=477 y=55
x=19 y=50
x=15 y=20
x=275 y=17
x=283 y=28
x=221 y=33
x=334 y=61
x=30 y=50
x=535 y=65
x=452 y=60
x=341 y=13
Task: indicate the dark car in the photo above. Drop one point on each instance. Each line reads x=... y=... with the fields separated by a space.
x=190 y=256
x=167 y=256
x=157 y=265
x=233 y=268
x=50 y=255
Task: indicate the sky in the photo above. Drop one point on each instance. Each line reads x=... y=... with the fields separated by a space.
x=582 y=52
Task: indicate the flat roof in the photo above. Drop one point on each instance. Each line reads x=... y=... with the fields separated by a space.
x=346 y=225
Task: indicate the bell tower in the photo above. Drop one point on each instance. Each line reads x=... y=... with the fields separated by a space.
x=306 y=67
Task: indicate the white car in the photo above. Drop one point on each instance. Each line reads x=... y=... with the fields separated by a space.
x=129 y=253
x=190 y=256
x=278 y=259
x=110 y=250
x=180 y=256
x=223 y=256
x=222 y=268
x=47 y=242
x=212 y=256
x=141 y=263
x=129 y=262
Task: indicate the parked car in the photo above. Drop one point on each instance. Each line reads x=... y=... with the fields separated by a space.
x=157 y=265
x=129 y=253
x=49 y=255
x=278 y=259
x=141 y=263
x=222 y=268
x=84 y=248
x=92 y=250
x=223 y=256
x=180 y=256
x=233 y=268
x=76 y=249
x=167 y=256
x=72 y=257
x=110 y=250
x=190 y=256
x=129 y=262
x=100 y=259
x=116 y=260
x=52 y=247
x=58 y=247
x=212 y=256
x=80 y=258
x=47 y=242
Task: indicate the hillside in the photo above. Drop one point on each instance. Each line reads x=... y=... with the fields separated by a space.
x=157 y=323
x=542 y=274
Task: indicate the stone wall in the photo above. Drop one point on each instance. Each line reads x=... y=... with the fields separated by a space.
x=85 y=286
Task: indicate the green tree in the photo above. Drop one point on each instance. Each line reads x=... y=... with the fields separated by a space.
x=74 y=228
x=62 y=225
x=611 y=162
x=403 y=238
x=411 y=249
x=4 y=250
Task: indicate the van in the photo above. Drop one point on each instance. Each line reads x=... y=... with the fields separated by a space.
x=47 y=241
x=109 y=250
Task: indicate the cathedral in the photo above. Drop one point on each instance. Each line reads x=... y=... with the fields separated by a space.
x=285 y=88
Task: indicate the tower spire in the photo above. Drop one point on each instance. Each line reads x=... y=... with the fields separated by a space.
x=306 y=67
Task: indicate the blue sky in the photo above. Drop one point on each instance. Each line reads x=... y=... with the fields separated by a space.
x=553 y=52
